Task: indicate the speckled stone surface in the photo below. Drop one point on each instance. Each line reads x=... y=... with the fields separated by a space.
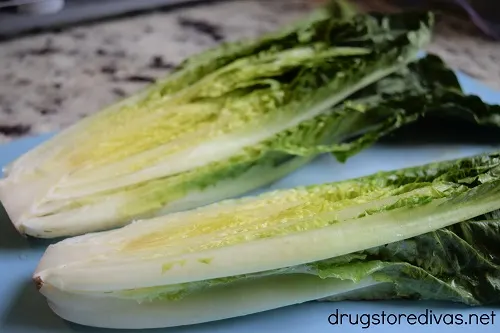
x=51 y=80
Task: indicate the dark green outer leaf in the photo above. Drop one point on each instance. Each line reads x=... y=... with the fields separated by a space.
x=373 y=112
x=460 y=263
x=425 y=91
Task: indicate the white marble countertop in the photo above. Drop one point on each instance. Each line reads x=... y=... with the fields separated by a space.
x=50 y=80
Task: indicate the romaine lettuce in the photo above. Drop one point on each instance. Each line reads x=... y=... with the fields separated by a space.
x=395 y=234
x=227 y=121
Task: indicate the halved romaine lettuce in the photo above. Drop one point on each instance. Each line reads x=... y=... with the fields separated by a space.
x=378 y=236
x=226 y=122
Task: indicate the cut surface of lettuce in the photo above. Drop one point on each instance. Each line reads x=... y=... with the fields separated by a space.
x=353 y=239
x=212 y=128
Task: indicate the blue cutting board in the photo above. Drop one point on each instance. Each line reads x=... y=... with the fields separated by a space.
x=23 y=310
